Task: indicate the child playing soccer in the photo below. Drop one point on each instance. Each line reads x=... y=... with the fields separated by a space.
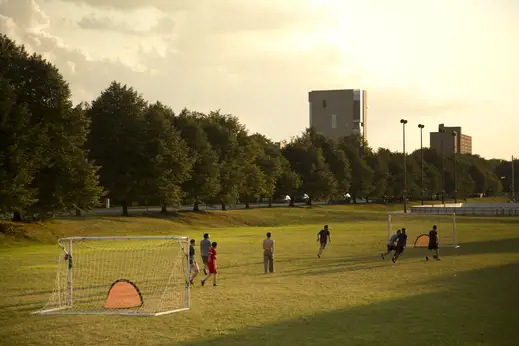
x=211 y=264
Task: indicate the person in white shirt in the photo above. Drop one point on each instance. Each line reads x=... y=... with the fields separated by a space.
x=391 y=244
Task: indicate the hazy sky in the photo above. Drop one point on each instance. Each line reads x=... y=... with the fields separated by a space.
x=454 y=61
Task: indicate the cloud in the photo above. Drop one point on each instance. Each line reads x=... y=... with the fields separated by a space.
x=164 y=25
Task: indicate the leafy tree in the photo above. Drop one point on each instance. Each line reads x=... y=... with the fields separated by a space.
x=308 y=161
x=288 y=183
x=379 y=164
x=204 y=181
x=361 y=173
x=16 y=161
x=270 y=160
x=116 y=142
x=335 y=158
x=228 y=139
x=166 y=157
x=61 y=128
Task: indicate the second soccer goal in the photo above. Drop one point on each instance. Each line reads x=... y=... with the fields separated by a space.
x=121 y=275
x=418 y=226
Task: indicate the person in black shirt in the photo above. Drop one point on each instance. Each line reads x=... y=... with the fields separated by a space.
x=323 y=237
x=433 y=244
x=400 y=245
x=192 y=262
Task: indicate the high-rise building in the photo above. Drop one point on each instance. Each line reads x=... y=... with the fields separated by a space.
x=459 y=143
x=339 y=113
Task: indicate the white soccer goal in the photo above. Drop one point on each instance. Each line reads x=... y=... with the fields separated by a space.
x=147 y=276
x=418 y=226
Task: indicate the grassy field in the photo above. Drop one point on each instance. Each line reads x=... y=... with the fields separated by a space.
x=348 y=297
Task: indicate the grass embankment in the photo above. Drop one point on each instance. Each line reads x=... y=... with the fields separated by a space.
x=349 y=297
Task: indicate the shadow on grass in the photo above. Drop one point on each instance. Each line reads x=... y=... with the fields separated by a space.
x=472 y=308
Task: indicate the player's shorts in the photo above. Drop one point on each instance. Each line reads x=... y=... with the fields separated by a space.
x=205 y=259
x=400 y=249
x=212 y=268
x=391 y=247
x=433 y=246
x=323 y=245
x=194 y=266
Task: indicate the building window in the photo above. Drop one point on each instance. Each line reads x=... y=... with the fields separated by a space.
x=324 y=103
x=334 y=121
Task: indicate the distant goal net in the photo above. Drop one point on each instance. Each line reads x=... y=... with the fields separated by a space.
x=146 y=276
x=418 y=226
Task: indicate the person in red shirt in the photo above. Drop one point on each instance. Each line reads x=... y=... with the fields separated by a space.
x=211 y=264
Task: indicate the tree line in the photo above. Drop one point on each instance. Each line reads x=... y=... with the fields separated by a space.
x=56 y=156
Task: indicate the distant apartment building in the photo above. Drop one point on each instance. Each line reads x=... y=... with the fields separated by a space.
x=339 y=113
x=460 y=144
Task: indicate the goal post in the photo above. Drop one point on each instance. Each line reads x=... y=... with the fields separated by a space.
x=418 y=226
x=133 y=275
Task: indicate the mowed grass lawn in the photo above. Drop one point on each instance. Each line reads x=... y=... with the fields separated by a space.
x=348 y=297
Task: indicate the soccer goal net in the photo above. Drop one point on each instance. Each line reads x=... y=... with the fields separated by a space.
x=121 y=275
x=418 y=226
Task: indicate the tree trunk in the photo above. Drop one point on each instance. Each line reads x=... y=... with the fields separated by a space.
x=163 y=209
x=17 y=216
x=270 y=202
x=291 y=204
x=309 y=201
x=78 y=212
x=247 y=205
x=125 y=208
x=196 y=206
x=224 y=207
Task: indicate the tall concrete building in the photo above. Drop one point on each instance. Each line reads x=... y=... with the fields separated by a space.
x=460 y=144
x=339 y=113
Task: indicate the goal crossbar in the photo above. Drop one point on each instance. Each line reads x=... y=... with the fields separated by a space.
x=105 y=275
x=454 y=241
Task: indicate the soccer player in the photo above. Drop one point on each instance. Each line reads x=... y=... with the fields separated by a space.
x=324 y=237
x=400 y=245
x=268 y=254
x=433 y=244
x=211 y=264
x=391 y=246
x=205 y=244
x=192 y=261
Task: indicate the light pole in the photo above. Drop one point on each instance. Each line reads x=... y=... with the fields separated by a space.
x=420 y=126
x=403 y=122
x=442 y=131
x=513 y=180
x=454 y=149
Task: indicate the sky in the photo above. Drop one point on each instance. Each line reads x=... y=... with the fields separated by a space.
x=444 y=61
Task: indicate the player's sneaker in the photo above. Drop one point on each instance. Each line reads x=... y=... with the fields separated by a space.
x=426 y=258
x=203 y=282
x=205 y=272
x=394 y=260
x=382 y=255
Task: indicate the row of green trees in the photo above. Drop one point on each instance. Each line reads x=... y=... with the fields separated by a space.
x=56 y=156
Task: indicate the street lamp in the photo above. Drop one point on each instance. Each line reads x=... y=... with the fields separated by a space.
x=441 y=129
x=513 y=180
x=454 y=149
x=420 y=126
x=403 y=122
